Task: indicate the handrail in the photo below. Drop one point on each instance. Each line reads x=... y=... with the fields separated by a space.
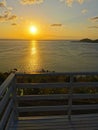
x=7 y=101
x=6 y=83
x=57 y=73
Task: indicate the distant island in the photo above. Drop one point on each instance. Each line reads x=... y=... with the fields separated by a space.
x=88 y=40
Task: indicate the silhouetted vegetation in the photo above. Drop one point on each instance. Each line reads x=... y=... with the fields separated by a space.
x=89 y=40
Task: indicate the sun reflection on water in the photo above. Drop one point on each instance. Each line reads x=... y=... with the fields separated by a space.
x=34 y=57
x=33 y=48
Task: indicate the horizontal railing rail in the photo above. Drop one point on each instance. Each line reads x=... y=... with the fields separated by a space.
x=56 y=97
x=57 y=73
x=56 y=85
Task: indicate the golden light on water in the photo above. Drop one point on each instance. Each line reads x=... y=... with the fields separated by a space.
x=34 y=56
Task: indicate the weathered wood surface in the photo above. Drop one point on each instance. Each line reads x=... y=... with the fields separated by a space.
x=6 y=102
x=57 y=108
x=57 y=85
x=57 y=73
x=79 y=122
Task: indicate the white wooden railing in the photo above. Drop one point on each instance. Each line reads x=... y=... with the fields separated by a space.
x=7 y=107
x=9 y=100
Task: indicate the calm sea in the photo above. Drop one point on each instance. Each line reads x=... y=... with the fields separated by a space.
x=59 y=56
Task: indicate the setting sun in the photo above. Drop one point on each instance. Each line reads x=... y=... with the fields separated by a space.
x=33 y=29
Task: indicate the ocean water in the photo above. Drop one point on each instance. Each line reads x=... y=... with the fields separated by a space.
x=59 y=56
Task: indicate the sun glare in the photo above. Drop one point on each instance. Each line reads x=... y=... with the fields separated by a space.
x=33 y=29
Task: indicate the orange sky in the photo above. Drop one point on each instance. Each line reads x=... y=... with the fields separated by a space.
x=54 y=19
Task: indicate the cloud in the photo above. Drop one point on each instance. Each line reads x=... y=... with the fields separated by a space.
x=6 y=14
x=84 y=11
x=80 y=1
x=12 y=17
x=93 y=27
x=70 y=2
x=2 y=4
x=14 y=24
x=94 y=19
x=56 y=25
x=31 y=1
x=7 y=17
x=3 y=18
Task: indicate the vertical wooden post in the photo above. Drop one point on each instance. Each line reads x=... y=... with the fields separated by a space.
x=70 y=98
x=15 y=99
x=1 y=127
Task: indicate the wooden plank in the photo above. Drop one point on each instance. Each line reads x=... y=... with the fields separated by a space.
x=6 y=83
x=57 y=108
x=70 y=97
x=43 y=108
x=52 y=119
x=43 y=97
x=5 y=99
x=57 y=124
x=57 y=74
x=56 y=97
x=6 y=114
x=43 y=128
x=57 y=85
x=54 y=124
x=88 y=116
x=11 y=118
x=85 y=84
x=42 y=85
x=32 y=124
x=78 y=122
x=85 y=107
x=15 y=98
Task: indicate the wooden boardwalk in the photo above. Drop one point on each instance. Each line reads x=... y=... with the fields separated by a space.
x=79 y=122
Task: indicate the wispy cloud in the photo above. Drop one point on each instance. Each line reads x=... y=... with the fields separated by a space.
x=31 y=1
x=84 y=11
x=6 y=14
x=94 y=19
x=14 y=24
x=70 y=2
x=56 y=25
x=7 y=17
x=12 y=17
x=80 y=1
x=93 y=27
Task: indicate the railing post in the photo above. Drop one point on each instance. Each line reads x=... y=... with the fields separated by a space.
x=70 y=97
x=15 y=99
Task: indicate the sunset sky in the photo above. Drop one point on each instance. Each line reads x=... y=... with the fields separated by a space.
x=54 y=19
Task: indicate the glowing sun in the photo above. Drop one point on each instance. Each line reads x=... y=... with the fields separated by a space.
x=33 y=29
